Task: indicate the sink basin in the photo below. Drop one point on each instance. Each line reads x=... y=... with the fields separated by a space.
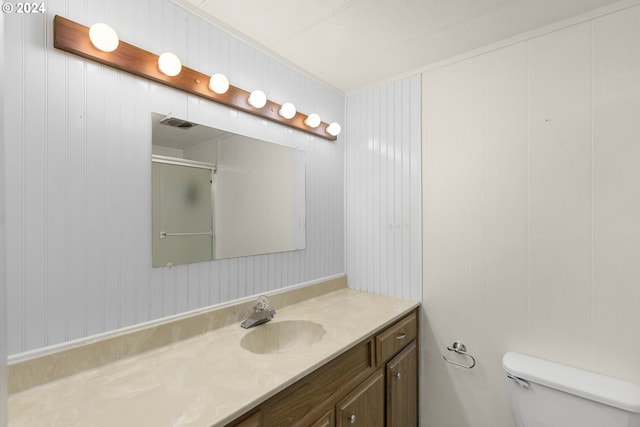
x=281 y=336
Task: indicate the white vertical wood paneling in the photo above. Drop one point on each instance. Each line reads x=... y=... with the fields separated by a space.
x=475 y=206
x=506 y=217
x=95 y=201
x=3 y=281
x=78 y=160
x=61 y=179
x=15 y=192
x=530 y=212
x=616 y=201
x=35 y=195
x=559 y=164
x=383 y=189
x=444 y=239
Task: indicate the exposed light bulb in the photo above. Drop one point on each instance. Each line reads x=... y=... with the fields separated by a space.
x=334 y=129
x=103 y=37
x=312 y=120
x=257 y=99
x=169 y=64
x=288 y=110
x=219 y=83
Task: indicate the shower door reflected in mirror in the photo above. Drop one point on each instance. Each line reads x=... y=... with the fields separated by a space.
x=257 y=194
x=182 y=204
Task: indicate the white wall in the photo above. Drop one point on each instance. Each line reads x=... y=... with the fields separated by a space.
x=3 y=283
x=531 y=205
x=383 y=189
x=78 y=163
x=253 y=200
x=204 y=152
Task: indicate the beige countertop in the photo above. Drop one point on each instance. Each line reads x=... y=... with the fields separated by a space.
x=207 y=380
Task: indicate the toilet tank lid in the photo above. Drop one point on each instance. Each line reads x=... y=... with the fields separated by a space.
x=600 y=388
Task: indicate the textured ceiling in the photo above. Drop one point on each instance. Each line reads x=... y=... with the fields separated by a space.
x=351 y=44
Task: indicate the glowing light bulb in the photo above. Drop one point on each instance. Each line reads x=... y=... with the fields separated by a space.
x=334 y=129
x=257 y=99
x=103 y=37
x=219 y=83
x=169 y=64
x=288 y=110
x=312 y=120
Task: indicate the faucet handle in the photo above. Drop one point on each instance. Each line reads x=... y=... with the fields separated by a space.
x=263 y=303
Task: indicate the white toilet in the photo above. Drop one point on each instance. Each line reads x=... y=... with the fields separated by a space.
x=547 y=394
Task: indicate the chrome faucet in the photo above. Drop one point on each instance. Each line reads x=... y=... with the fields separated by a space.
x=262 y=313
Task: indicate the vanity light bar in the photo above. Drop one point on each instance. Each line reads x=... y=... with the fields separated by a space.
x=72 y=37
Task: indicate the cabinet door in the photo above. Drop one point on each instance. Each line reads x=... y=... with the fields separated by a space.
x=365 y=405
x=326 y=421
x=402 y=388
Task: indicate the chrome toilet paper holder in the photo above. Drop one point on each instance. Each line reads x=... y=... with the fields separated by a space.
x=460 y=348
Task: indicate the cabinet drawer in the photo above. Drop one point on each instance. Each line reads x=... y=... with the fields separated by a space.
x=395 y=337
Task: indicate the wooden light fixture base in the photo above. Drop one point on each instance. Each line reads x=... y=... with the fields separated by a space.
x=72 y=37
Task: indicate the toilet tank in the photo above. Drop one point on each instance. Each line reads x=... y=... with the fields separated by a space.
x=548 y=394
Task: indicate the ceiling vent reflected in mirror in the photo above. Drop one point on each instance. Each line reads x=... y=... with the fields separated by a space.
x=177 y=123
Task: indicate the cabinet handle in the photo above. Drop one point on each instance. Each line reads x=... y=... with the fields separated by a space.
x=352 y=419
x=397 y=375
x=401 y=336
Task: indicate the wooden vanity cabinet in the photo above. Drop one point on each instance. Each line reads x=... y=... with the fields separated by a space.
x=374 y=384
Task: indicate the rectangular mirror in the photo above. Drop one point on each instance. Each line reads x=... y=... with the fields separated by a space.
x=217 y=194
